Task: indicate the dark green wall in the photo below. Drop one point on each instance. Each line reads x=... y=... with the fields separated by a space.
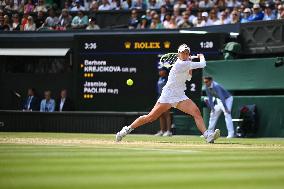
x=246 y=74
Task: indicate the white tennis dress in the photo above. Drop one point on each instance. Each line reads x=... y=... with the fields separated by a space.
x=173 y=91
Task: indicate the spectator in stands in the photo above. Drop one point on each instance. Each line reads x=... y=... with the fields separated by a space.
x=105 y=6
x=216 y=9
x=65 y=20
x=204 y=19
x=173 y=24
x=184 y=23
x=126 y=4
x=148 y=16
x=143 y=24
x=235 y=17
x=133 y=22
x=24 y=20
x=39 y=22
x=1 y=23
x=139 y=5
x=153 y=4
x=156 y=23
x=191 y=16
x=221 y=3
x=40 y=7
x=94 y=6
x=224 y=18
x=257 y=13
x=152 y=14
x=116 y=5
x=80 y=21
x=16 y=26
x=2 y=3
x=29 y=7
x=280 y=12
x=167 y=21
x=67 y=5
x=64 y=103
x=213 y=19
x=268 y=13
x=206 y=4
x=233 y=3
x=31 y=103
x=168 y=4
x=241 y=10
x=198 y=22
x=47 y=104
x=30 y=25
x=7 y=22
x=181 y=4
x=77 y=7
x=92 y=24
x=176 y=13
x=276 y=4
x=222 y=103
x=51 y=21
x=246 y=3
x=246 y=15
x=163 y=12
x=11 y=7
x=192 y=4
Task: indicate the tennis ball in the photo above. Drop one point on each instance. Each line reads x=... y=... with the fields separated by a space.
x=129 y=82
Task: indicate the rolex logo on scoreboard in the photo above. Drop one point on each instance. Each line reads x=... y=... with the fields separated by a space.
x=147 y=45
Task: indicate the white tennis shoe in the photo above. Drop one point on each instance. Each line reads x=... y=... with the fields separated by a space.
x=124 y=131
x=160 y=133
x=212 y=136
x=167 y=134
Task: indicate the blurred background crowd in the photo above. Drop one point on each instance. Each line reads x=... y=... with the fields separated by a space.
x=32 y=15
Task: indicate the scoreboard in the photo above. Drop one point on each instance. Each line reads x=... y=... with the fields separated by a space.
x=106 y=61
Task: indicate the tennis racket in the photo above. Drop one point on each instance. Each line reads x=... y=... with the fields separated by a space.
x=168 y=60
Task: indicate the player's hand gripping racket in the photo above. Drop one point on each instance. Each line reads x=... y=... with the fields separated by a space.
x=168 y=60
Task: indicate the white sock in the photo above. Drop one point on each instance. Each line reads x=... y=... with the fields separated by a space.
x=130 y=129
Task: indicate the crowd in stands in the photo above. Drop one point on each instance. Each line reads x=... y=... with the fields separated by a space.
x=31 y=15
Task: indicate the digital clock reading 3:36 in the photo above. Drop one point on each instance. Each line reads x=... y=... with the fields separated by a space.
x=90 y=46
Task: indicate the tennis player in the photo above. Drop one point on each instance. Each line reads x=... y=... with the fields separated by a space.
x=173 y=95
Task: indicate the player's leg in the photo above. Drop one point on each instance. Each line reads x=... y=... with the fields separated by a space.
x=228 y=117
x=155 y=113
x=189 y=107
x=214 y=116
x=163 y=123
x=168 y=125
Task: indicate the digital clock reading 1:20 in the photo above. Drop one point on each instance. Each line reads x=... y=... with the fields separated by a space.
x=206 y=44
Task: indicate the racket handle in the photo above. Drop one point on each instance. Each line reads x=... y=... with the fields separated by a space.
x=193 y=57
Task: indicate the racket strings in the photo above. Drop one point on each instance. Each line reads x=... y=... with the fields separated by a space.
x=168 y=60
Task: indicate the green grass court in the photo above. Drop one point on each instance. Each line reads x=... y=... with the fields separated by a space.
x=95 y=161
